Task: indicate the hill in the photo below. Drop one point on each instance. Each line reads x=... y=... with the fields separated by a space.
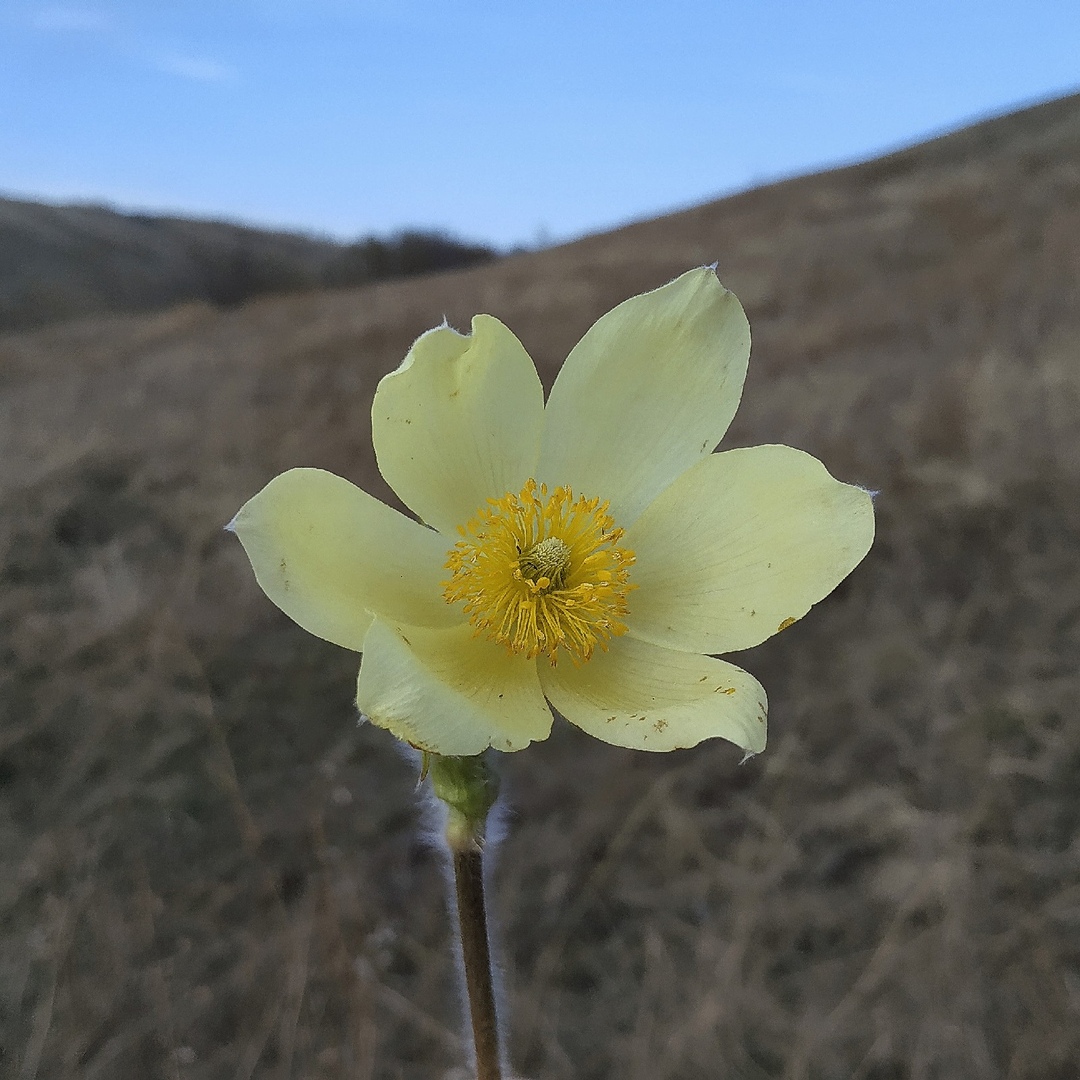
x=214 y=872
x=63 y=262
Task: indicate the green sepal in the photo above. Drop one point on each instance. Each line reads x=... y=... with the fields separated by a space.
x=469 y=786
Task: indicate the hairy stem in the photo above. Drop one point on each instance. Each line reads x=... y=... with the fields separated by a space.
x=469 y=880
x=469 y=787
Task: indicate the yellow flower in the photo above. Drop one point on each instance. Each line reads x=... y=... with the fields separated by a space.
x=594 y=551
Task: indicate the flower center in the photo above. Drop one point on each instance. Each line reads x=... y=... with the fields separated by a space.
x=541 y=571
x=546 y=564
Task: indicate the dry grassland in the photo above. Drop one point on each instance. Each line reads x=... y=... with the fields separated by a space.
x=211 y=872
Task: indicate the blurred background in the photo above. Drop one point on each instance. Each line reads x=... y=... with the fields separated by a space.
x=222 y=224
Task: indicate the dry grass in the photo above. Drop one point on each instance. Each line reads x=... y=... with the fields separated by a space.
x=210 y=871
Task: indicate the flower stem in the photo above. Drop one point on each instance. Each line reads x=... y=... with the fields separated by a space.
x=469 y=879
x=469 y=788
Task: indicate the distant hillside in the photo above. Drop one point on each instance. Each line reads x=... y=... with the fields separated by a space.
x=61 y=262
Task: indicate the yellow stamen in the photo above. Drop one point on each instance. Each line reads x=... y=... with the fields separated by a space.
x=541 y=572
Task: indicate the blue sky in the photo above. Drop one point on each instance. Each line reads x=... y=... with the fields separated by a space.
x=504 y=121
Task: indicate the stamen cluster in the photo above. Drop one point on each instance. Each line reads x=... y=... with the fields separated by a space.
x=541 y=571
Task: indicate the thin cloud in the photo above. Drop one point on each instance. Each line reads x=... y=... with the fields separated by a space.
x=119 y=41
x=197 y=68
x=67 y=20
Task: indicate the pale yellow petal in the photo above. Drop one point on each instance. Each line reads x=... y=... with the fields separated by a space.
x=459 y=422
x=648 y=391
x=742 y=545
x=649 y=698
x=448 y=692
x=329 y=555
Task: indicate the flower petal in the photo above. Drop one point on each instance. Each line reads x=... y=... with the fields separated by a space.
x=649 y=390
x=449 y=692
x=742 y=545
x=459 y=422
x=648 y=698
x=329 y=555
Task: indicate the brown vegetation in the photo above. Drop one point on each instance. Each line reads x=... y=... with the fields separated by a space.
x=210 y=871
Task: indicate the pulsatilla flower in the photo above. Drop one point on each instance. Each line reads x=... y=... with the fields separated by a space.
x=592 y=552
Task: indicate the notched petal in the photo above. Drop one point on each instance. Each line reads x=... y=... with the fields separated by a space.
x=459 y=422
